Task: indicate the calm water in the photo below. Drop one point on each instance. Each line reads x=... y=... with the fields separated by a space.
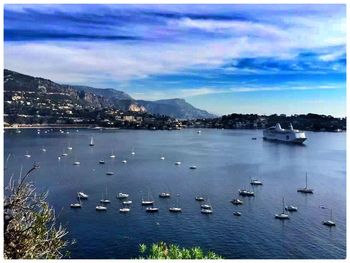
x=226 y=160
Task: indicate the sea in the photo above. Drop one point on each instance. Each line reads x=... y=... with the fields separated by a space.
x=226 y=161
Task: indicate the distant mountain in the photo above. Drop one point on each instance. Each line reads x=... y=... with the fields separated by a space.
x=176 y=108
x=89 y=97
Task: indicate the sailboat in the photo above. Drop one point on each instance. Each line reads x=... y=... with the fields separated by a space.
x=112 y=155
x=122 y=195
x=176 y=209
x=162 y=158
x=69 y=147
x=92 y=142
x=124 y=210
x=105 y=200
x=164 y=195
x=132 y=151
x=76 y=205
x=148 y=201
x=82 y=195
x=282 y=215
x=305 y=190
x=101 y=208
x=207 y=205
x=27 y=155
x=43 y=149
x=329 y=222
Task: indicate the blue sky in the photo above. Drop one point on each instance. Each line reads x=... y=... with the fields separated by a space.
x=261 y=59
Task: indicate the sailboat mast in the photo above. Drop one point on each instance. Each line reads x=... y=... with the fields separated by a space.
x=331 y=215
x=306 y=180
x=283 y=205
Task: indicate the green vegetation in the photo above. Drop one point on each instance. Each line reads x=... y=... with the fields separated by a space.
x=161 y=250
x=30 y=228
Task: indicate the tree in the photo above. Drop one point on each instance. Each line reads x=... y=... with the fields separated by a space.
x=161 y=250
x=30 y=228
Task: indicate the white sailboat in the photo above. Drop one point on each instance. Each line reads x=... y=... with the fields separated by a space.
x=101 y=208
x=112 y=155
x=27 y=155
x=282 y=215
x=105 y=200
x=148 y=201
x=176 y=208
x=305 y=190
x=122 y=195
x=329 y=222
x=92 y=142
x=82 y=195
x=76 y=205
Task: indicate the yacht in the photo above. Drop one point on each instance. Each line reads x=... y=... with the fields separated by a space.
x=305 y=190
x=101 y=208
x=276 y=133
x=110 y=173
x=128 y=202
x=206 y=211
x=81 y=195
x=175 y=209
x=124 y=161
x=246 y=193
x=329 y=222
x=193 y=167
x=199 y=198
x=27 y=155
x=164 y=195
x=206 y=206
x=152 y=209
x=101 y=162
x=177 y=163
x=122 y=195
x=255 y=182
x=236 y=213
x=291 y=208
x=282 y=215
x=91 y=142
x=105 y=200
x=237 y=202
x=112 y=155
x=76 y=205
x=76 y=163
x=124 y=210
x=162 y=158
x=43 y=149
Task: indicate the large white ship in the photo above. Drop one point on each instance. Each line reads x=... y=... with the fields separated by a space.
x=276 y=133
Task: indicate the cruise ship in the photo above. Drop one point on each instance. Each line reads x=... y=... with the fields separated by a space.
x=276 y=133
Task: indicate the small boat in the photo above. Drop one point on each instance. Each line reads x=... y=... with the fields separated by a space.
x=105 y=200
x=152 y=209
x=18 y=131
x=175 y=209
x=329 y=222
x=76 y=205
x=206 y=206
x=101 y=162
x=291 y=208
x=109 y=173
x=305 y=190
x=255 y=182
x=162 y=158
x=164 y=195
x=206 y=211
x=81 y=195
x=246 y=193
x=147 y=202
x=236 y=213
x=91 y=142
x=193 y=167
x=237 y=202
x=76 y=163
x=43 y=149
x=124 y=210
x=122 y=195
x=282 y=215
x=128 y=202
x=199 y=198
x=124 y=161
x=101 y=208
x=177 y=163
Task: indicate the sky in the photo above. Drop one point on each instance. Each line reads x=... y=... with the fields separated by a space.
x=263 y=59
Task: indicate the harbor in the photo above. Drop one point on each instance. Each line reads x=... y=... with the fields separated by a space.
x=158 y=169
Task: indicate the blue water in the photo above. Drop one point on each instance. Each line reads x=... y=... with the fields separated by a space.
x=226 y=160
